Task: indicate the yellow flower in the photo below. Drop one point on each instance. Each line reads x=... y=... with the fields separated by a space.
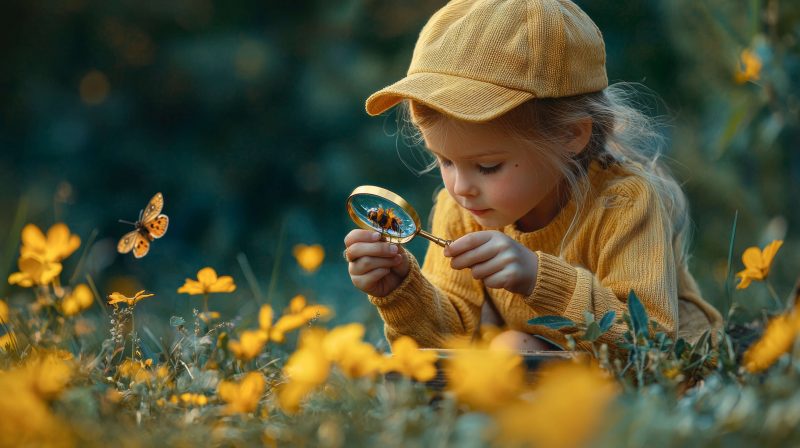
x=80 y=299
x=136 y=370
x=408 y=360
x=34 y=269
x=24 y=394
x=749 y=67
x=472 y=376
x=207 y=282
x=305 y=370
x=249 y=344
x=187 y=398
x=355 y=358
x=242 y=397
x=209 y=316
x=565 y=392
x=778 y=338
x=49 y=373
x=58 y=245
x=309 y=257
x=757 y=263
x=115 y=298
x=4 y=312
x=297 y=315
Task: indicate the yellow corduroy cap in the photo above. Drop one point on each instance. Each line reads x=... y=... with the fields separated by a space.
x=477 y=59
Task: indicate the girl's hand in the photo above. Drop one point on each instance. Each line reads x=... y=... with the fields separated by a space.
x=375 y=267
x=496 y=259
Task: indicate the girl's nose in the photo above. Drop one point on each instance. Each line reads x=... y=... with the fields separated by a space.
x=464 y=186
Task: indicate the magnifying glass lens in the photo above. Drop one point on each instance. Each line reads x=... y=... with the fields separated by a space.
x=383 y=215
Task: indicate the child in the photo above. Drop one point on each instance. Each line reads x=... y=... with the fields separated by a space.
x=554 y=196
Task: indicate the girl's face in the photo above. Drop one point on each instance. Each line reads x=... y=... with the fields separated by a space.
x=494 y=176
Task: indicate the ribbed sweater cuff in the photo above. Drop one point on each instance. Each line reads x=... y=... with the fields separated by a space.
x=405 y=293
x=555 y=285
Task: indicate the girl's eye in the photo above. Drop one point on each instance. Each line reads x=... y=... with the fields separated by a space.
x=444 y=162
x=489 y=169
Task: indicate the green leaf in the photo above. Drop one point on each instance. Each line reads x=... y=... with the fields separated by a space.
x=728 y=275
x=680 y=346
x=592 y=332
x=607 y=321
x=552 y=322
x=638 y=314
x=176 y=321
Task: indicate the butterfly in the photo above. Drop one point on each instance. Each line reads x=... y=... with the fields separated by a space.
x=152 y=224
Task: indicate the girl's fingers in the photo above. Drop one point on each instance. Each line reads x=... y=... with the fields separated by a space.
x=482 y=271
x=496 y=280
x=361 y=235
x=467 y=242
x=470 y=258
x=371 y=249
x=368 y=280
x=364 y=265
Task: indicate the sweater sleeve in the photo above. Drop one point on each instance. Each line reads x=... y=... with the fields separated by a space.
x=434 y=301
x=634 y=253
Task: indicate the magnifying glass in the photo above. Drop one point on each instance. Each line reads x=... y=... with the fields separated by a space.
x=376 y=208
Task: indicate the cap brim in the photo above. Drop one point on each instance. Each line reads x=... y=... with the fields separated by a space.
x=461 y=98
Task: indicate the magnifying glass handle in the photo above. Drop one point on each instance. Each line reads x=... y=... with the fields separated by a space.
x=440 y=241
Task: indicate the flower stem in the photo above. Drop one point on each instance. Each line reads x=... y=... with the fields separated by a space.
x=205 y=304
x=774 y=294
x=133 y=336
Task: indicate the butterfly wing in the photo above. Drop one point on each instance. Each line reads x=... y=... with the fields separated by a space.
x=142 y=245
x=127 y=241
x=157 y=226
x=153 y=208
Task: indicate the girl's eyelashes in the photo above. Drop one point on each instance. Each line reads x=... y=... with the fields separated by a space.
x=489 y=169
x=483 y=169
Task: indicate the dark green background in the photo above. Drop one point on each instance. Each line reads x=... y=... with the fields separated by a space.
x=249 y=117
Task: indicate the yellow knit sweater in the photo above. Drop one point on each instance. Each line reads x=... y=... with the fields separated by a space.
x=620 y=242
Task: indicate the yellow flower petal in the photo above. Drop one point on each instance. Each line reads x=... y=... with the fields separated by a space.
x=309 y=257
x=473 y=377
x=565 y=392
x=769 y=254
x=242 y=397
x=70 y=307
x=191 y=287
x=4 y=312
x=749 y=67
x=35 y=269
x=60 y=243
x=297 y=304
x=207 y=276
x=33 y=238
x=223 y=284
x=21 y=279
x=408 y=360
x=778 y=338
x=83 y=295
x=341 y=339
x=265 y=316
x=208 y=282
x=752 y=258
x=249 y=345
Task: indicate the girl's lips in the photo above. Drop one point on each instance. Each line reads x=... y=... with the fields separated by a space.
x=478 y=212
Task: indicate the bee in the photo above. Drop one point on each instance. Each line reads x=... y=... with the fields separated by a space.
x=385 y=218
x=152 y=224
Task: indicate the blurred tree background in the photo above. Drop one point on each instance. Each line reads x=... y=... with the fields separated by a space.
x=248 y=116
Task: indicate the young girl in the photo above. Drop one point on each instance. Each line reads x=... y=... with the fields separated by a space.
x=555 y=198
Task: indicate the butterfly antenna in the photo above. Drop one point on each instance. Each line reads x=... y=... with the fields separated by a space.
x=127 y=222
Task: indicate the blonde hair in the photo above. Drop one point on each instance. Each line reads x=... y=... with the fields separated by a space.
x=621 y=134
